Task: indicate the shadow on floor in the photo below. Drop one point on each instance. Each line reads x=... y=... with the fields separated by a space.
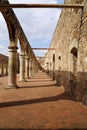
x=44 y=129
x=63 y=96
x=38 y=86
x=39 y=80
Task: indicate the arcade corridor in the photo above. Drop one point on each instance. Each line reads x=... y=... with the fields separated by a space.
x=39 y=104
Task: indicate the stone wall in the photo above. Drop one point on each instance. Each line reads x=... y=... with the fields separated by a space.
x=3 y=65
x=70 y=43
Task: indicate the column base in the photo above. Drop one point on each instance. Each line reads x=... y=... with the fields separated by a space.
x=30 y=77
x=13 y=86
x=27 y=77
x=23 y=80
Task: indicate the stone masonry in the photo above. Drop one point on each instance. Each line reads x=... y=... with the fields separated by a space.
x=68 y=62
x=3 y=65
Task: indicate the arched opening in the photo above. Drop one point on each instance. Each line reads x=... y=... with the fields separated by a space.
x=53 y=77
x=59 y=57
x=12 y=68
x=50 y=72
x=74 y=63
x=59 y=71
x=73 y=70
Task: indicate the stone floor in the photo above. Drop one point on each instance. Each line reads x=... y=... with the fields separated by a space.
x=39 y=104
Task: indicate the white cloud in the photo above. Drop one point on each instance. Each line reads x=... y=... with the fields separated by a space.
x=36 y=23
x=1 y=47
x=3 y=29
x=33 y=1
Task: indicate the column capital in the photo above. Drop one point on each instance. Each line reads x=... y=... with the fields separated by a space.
x=22 y=56
x=26 y=57
x=30 y=60
x=12 y=48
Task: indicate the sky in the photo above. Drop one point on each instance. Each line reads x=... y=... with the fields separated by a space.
x=38 y=25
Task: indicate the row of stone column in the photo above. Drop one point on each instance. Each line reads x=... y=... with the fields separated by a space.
x=27 y=67
x=50 y=69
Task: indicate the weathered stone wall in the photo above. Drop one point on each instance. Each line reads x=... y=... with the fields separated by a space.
x=3 y=65
x=70 y=43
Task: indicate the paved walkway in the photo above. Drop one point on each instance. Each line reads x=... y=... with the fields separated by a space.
x=39 y=104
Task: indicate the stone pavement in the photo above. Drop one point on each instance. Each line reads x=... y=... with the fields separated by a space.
x=39 y=104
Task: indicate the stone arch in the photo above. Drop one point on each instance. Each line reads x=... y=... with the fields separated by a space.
x=15 y=33
x=7 y=13
x=12 y=31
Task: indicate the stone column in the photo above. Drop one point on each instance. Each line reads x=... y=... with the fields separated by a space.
x=2 y=71
x=22 y=68
x=12 y=67
x=33 y=67
x=27 y=67
x=53 y=77
x=30 y=68
x=17 y=62
x=6 y=70
x=50 y=70
x=36 y=68
x=32 y=63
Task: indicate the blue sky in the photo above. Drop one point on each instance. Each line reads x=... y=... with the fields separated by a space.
x=38 y=25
